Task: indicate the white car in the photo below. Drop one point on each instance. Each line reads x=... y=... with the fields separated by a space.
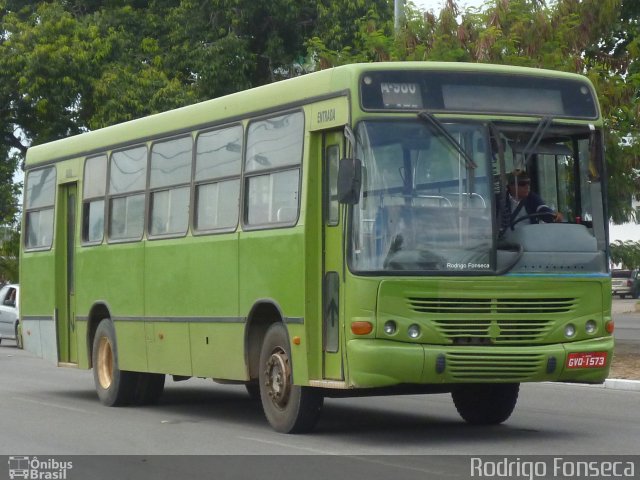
x=9 y=313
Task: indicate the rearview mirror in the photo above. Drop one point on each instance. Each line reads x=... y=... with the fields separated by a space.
x=349 y=181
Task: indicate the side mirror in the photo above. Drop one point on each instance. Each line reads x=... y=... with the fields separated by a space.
x=349 y=181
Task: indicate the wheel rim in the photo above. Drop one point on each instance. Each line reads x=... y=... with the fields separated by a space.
x=277 y=378
x=105 y=363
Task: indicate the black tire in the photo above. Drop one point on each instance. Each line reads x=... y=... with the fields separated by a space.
x=622 y=295
x=113 y=386
x=289 y=408
x=149 y=388
x=253 y=389
x=486 y=404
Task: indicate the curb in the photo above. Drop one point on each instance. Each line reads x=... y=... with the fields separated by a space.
x=622 y=384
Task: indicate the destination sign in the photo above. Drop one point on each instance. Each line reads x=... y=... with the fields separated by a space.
x=401 y=95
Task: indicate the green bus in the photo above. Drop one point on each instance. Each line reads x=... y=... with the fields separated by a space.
x=343 y=233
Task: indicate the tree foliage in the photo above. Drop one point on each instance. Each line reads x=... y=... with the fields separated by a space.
x=9 y=254
x=626 y=253
x=67 y=66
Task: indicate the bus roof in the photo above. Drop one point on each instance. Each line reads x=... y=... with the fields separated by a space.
x=233 y=107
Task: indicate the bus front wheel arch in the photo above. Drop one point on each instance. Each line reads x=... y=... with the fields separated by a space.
x=288 y=408
x=486 y=404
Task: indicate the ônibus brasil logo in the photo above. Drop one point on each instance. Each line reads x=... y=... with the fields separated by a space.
x=38 y=469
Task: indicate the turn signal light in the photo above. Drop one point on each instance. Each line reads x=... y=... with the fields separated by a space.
x=361 y=328
x=609 y=326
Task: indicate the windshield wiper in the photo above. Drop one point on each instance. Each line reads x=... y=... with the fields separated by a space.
x=538 y=135
x=439 y=128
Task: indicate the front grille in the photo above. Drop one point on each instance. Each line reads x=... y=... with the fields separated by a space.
x=460 y=331
x=493 y=320
x=472 y=366
x=489 y=305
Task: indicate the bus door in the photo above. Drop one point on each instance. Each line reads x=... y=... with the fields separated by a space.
x=333 y=150
x=65 y=274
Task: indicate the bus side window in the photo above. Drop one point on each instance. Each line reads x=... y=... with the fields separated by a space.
x=127 y=183
x=332 y=156
x=272 y=169
x=94 y=189
x=217 y=177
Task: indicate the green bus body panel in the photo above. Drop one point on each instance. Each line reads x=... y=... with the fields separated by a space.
x=521 y=320
x=382 y=363
x=272 y=268
x=183 y=306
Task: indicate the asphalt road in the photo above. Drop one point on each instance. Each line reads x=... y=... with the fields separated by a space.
x=54 y=412
x=49 y=410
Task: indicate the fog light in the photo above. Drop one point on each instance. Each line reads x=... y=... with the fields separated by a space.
x=390 y=327
x=414 y=331
x=569 y=330
x=591 y=326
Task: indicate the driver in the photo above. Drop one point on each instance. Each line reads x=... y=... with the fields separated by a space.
x=523 y=202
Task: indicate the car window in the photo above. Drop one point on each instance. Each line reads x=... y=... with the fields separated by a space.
x=621 y=274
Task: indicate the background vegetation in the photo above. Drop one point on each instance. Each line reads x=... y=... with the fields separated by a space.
x=68 y=66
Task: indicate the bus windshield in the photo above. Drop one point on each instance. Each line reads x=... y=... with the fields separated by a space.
x=432 y=199
x=424 y=206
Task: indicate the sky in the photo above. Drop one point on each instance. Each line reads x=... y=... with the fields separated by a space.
x=436 y=5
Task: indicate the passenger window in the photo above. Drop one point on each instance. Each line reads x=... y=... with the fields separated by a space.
x=272 y=170
x=127 y=182
x=39 y=203
x=94 y=189
x=169 y=185
x=217 y=176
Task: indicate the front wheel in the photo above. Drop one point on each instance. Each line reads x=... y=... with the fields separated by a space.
x=486 y=404
x=114 y=386
x=289 y=408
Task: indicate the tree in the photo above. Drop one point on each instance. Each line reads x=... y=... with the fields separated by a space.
x=627 y=253
x=67 y=66
x=9 y=254
x=598 y=38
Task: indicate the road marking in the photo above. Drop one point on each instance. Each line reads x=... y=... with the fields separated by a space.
x=49 y=404
x=288 y=445
x=367 y=459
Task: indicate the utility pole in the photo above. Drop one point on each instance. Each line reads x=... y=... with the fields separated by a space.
x=398 y=15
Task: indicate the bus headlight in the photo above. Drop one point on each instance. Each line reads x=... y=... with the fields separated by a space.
x=591 y=326
x=414 y=331
x=390 y=327
x=569 y=330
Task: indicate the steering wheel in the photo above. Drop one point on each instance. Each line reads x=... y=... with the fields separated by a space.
x=528 y=217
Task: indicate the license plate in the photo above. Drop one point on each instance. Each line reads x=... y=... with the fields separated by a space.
x=587 y=360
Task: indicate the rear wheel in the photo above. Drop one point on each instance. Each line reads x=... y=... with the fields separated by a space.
x=149 y=388
x=289 y=408
x=486 y=404
x=114 y=386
